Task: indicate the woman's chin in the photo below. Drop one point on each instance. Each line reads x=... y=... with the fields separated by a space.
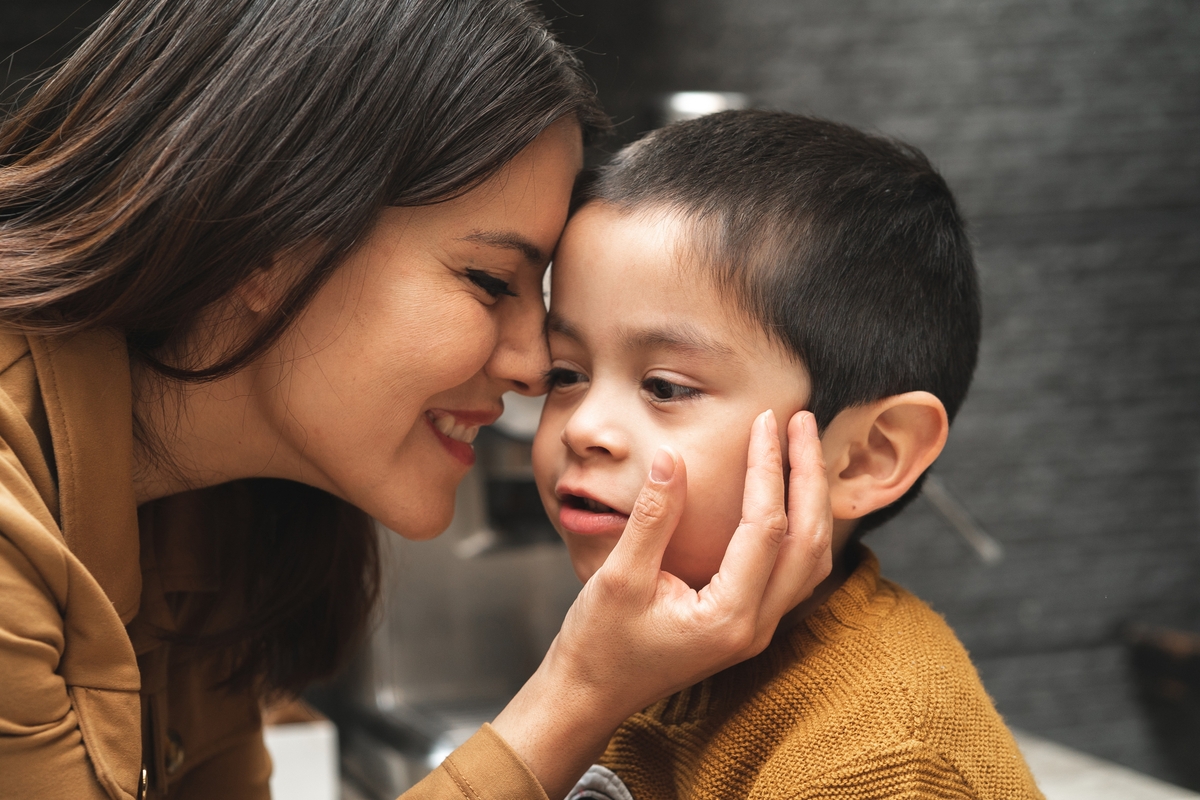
x=429 y=524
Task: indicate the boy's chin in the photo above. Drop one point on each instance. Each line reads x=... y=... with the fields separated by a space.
x=587 y=556
x=585 y=561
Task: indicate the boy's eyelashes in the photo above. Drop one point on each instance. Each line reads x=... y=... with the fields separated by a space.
x=658 y=390
x=490 y=283
x=561 y=376
x=662 y=390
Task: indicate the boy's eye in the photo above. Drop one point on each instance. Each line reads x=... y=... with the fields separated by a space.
x=661 y=389
x=489 y=283
x=560 y=376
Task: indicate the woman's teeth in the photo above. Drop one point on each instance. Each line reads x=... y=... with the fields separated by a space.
x=452 y=428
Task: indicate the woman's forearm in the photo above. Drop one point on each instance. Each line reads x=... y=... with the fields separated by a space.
x=559 y=729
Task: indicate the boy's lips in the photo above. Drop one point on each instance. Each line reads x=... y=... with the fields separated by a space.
x=581 y=513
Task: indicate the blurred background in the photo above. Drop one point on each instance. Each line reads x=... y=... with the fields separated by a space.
x=1062 y=540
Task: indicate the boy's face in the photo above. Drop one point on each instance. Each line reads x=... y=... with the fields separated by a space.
x=646 y=352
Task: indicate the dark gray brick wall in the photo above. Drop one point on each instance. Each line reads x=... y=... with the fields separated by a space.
x=1069 y=131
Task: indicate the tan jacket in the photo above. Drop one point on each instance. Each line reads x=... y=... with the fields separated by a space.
x=89 y=695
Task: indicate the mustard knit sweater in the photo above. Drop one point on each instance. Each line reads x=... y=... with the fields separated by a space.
x=871 y=696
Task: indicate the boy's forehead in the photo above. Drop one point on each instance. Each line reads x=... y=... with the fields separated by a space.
x=635 y=275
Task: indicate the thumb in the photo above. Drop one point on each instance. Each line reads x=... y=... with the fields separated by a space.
x=638 y=554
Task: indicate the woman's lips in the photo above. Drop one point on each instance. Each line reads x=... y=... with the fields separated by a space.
x=455 y=430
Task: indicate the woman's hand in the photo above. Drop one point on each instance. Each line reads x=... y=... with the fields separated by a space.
x=637 y=634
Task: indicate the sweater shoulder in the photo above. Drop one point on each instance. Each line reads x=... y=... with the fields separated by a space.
x=894 y=678
x=873 y=671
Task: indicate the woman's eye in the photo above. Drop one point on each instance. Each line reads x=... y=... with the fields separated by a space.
x=559 y=376
x=490 y=283
x=663 y=390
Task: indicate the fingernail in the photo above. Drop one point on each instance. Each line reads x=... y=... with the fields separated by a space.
x=810 y=425
x=663 y=467
x=771 y=423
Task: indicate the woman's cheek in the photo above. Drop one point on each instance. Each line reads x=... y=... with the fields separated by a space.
x=469 y=344
x=436 y=361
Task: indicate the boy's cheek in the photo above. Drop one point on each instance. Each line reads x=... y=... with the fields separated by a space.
x=698 y=547
x=711 y=515
x=546 y=453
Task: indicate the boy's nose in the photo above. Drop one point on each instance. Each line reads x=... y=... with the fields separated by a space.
x=593 y=430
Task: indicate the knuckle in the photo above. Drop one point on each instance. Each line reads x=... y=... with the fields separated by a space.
x=738 y=633
x=744 y=636
x=817 y=457
x=612 y=583
x=773 y=522
x=825 y=565
x=650 y=505
x=760 y=643
x=820 y=544
x=776 y=525
x=764 y=470
x=813 y=455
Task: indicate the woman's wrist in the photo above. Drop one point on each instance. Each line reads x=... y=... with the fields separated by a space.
x=559 y=725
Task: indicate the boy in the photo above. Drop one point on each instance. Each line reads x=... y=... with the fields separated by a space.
x=748 y=261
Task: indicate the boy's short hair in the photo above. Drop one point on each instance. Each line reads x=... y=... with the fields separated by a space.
x=847 y=248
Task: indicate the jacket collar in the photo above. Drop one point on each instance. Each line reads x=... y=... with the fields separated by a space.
x=85 y=385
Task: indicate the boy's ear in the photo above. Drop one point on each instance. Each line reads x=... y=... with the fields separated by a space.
x=876 y=452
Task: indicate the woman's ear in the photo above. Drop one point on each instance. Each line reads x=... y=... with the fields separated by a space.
x=261 y=291
x=877 y=451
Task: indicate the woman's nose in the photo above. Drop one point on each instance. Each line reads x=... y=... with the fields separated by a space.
x=521 y=357
x=595 y=428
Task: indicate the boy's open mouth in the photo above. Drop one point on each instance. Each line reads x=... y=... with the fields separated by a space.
x=587 y=504
x=587 y=516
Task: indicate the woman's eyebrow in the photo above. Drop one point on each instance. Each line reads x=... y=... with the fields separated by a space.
x=509 y=241
x=684 y=339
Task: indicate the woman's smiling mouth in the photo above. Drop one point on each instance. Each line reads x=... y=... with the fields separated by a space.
x=456 y=430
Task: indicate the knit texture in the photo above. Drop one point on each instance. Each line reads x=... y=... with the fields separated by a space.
x=871 y=696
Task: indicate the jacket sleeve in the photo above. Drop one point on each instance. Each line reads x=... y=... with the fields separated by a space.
x=42 y=753
x=484 y=768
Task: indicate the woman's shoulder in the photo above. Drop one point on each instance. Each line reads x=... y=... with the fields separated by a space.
x=63 y=650
x=26 y=452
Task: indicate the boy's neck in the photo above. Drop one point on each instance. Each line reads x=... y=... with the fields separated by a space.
x=845 y=561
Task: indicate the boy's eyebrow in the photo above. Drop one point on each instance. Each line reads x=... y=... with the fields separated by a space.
x=509 y=241
x=682 y=338
x=556 y=324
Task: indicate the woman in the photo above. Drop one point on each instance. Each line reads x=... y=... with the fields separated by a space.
x=265 y=268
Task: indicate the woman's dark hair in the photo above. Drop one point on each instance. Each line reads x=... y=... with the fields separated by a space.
x=848 y=249
x=188 y=143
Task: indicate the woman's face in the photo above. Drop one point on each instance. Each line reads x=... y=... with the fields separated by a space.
x=376 y=391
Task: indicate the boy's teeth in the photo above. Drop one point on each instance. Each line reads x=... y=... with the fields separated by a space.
x=452 y=429
x=596 y=507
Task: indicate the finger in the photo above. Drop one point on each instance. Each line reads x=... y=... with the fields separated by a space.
x=804 y=558
x=750 y=556
x=639 y=552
